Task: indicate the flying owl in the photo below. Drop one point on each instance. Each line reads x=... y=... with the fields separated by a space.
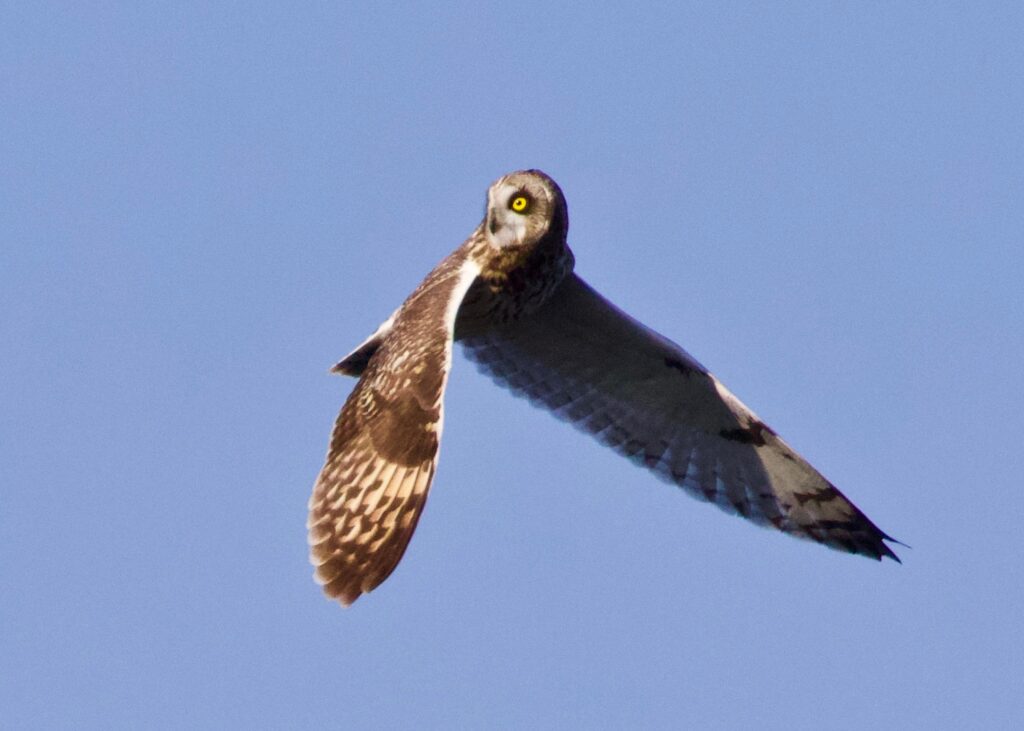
x=510 y=296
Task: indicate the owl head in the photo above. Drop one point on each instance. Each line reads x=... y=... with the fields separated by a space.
x=522 y=208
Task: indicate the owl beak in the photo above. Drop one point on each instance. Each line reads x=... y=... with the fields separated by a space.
x=493 y=224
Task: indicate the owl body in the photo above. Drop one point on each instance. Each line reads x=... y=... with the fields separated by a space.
x=509 y=294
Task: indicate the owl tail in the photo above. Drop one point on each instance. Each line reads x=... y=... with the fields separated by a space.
x=355 y=362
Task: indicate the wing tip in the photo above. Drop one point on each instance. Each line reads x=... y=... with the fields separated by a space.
x=887 y=552
x=345 y=600
x=339 y=588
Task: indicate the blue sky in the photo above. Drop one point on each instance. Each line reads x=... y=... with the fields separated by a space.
x=204 y=206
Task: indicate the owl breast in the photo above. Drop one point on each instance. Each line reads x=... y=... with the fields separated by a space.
x=512 y=283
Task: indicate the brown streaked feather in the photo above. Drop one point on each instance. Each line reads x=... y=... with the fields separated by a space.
x=383 y=452
x=645 y=397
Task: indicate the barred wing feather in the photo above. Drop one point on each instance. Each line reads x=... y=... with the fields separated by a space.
x=383 y=451
x=645 y=397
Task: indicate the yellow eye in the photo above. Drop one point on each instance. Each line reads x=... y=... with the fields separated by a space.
x=519 y=204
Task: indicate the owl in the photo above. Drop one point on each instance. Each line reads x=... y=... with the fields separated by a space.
x=510 y=297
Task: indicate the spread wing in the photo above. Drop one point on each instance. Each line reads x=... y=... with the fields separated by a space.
x=383 y=452
x=645 y=397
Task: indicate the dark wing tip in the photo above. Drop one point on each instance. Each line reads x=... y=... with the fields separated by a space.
x=871 y=544
x=888 y=552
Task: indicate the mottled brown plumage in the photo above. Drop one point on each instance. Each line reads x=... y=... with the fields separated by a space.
x=369 y=495
x=509 y=294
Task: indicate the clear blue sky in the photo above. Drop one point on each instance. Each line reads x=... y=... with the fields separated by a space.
x=202 y=208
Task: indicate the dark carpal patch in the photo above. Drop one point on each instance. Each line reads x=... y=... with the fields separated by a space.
x=821 y=496
x=750 y=434
x=678 y=365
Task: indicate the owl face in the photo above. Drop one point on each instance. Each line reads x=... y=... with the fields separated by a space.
x=522 y=207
